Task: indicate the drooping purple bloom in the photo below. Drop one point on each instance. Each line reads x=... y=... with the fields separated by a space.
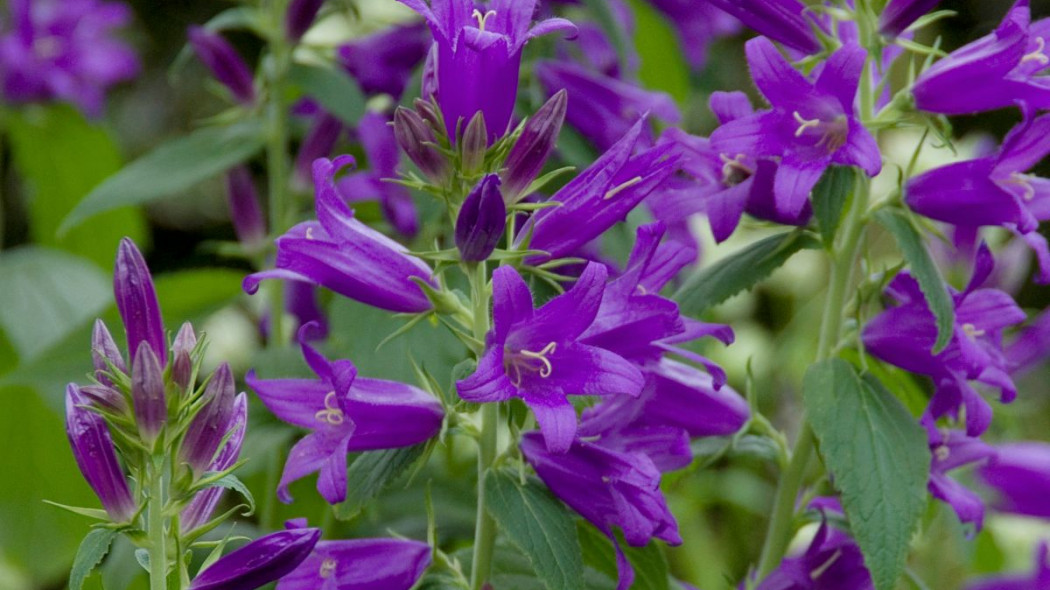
x=994 y=190
x=601 y=108
x=481 y=221
x=1038 y=579
x=832 y=562
x=813 y=123
x=478 y=55
x=951 y=450
x=344 y=413
x=600 y=196
x=225 y=64
x=340 y=253
x=64 y=50
x=611 y=489
x=1020 y=475
x=95 y=455
x=383 y=61
x=104 y=352
x=697 y=23
x=147 y=394
x=300 y=15
x=243 y=202
x=210 y=426
x=200 y=508
x=996 y=71
x=137 y=302
x=538 y=138
x=260 y=562
x=536 y=354
x=360 y=564
x=900 y=14
x=786 y=21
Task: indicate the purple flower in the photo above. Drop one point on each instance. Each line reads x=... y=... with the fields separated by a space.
x=221 y=58
x=64 y=50
x=344 y=255
x=995 y=71
x=905 y=335
x=478 y=56
x=994 y=190
x=481 y=221
x=951 y=450
x=601 y=108
x=538 y=138
x=698 y=23
x=900 y=14
x=137 y=302
x=200 y=508
x=600 y=196
x=360 y=564
x=832 y=562
x=96 y=457
x=243 y=201
x=609 y=488
x=211 y=424
x=260 y=562
x=1020 y=475
x=813 y=124
x=1037 y=580
x=345 y=413
x=785 y=21
x=1031 y=345
x=300 y=15
x=536 y=354
x=383 y=61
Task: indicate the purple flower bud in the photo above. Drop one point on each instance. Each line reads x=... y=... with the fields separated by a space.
x=103 y=349
x=430 y=114
x=96 y=457
x=243 y=201
x=416 y=140
x=301 y=14
x=900 y=14
x=203 y=504
x=103 y=396
x=137 y=302
x=210 y=425
x=474 y=144
x=481 y=221
x=221 y=58
x=147 y=393
x=260 y=562
x=182 y=359
x=538 y=138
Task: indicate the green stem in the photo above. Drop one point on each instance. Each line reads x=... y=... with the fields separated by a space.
x=158 y=554
x=277 y=160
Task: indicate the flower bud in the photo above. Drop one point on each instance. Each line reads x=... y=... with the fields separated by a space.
x=137 y=302
x=105 y=397
x=210 y=425
x=481 y=221
x=103 y=349
x=243 y=201
x=300 y=15
x=430 y=114
x=260 y=562
x=182 y=357
x=538 y=138
x=147 y=393
x=204 y=502
x=474 y=144
x=96 y=457
x=416 y=140
x=221 y=58
x=900 y=14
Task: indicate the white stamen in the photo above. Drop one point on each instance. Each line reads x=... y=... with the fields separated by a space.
x=942 y=453
x=622 y=187
x=819 y=571
x=545 y=370
x=1025 y=183
x=482 y=18
x=1038 y=54
x=309 y=233
x=331 y=414
x=804 y=124
x=327 y=567
x=971 y=330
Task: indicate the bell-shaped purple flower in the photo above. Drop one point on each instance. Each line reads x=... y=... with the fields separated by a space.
x=832 y=562
x=900 y=14
x=481 y=221
x=360 y=564
x=182 y=357
x=104 y=352
x=210 y=425
x=299 y=18
x=1038 y=579
x=951 y=450
x=340 y=253
x=994 y=190
x=813 y=123
x=221 y=58
x=200 y=508
x=478 y=56
x=243 y=202
x=345 y=413
x=260 y=562
x=1020 y=475
x=536 y=354
x=538 y=138
x=383 y=62
x=95 y=455
x=698 y=23
x=147 y=394
x=786 y=21
x=137 y=302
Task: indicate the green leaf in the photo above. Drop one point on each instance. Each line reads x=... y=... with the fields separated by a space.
x=61 y=157
x=649 y=562
x=172 y=168
x=829 y=200
x=231 y=482
x=924 y=271
x=335 y=90
x=663 y=65
x=727 y=277
x=370 y=473
x=878 y=456
x=47 y=294
x=539 y=526
x=92 y=550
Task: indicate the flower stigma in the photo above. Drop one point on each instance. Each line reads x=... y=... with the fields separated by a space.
x=1037 y=55
x=482 y=18
x=331 y=414
x=327 y=567
x=531 y=362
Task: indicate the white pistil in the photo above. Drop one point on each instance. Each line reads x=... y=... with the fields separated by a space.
x=622 y=187
x=972 y=331
x=819 y=570
x=804 y=124
x=1025 y=183
x=482 y=18
x=331 y=413
x=327 y=567
x=545 y=370
x=516 y=364
x=942 y=453
x=309 y=233
x=1037 y=55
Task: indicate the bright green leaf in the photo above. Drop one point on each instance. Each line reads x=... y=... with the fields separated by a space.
x=371 y=472
x=663 y=65
x=335 y=90
x=93 y=550
x=231 y=482
x=878 y=456
x=829 y=200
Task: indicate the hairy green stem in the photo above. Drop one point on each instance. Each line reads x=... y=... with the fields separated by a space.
x=158 y=552
x=277 y=160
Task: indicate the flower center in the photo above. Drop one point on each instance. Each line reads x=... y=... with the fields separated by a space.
x=1023 y=181
x=832 y=133
x=482 y=18
x=331 y=413
x=734 y=171
x=622 y=187
x=942 y=453
x=528 y=361
x=47 y=47
x=1037 y=55
x=972 y=331
x=327 y=567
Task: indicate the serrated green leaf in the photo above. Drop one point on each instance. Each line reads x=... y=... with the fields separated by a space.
x=231 y=482
x=649 y=562
x=370 y=473
x=170 y=168
x=335 y=90
x=727 y=277
x=539 y=526
x=878 y=456
x=924 y=271
x=829 y=200
x=92 y=550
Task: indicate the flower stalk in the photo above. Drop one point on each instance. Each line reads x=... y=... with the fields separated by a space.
x=158 y=553
x=277 y=159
